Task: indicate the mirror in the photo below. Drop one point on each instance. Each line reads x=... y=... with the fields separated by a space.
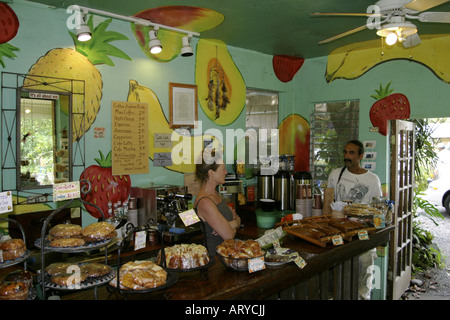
x=44 y=151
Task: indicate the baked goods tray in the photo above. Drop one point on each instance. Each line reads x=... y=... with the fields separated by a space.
x=89 y=283
x=172 y=278
x=211 y=262
x=20 y=259
x=323 y=229
x=83 y=248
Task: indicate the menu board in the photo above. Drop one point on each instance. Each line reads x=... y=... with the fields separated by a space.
x=129 y=138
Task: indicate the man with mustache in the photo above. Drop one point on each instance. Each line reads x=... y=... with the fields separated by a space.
x=353 y=183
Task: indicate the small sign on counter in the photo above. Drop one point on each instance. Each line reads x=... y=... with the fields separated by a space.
x=66 y=190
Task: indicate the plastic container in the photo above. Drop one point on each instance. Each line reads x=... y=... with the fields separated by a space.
x=266 y=219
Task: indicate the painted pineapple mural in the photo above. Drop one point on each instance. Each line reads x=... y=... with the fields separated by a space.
x=79 y=64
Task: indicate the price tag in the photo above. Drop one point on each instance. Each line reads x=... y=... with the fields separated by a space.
x=300 y=262
x=276 y=244
x=363 y=235
x=140 y=240
x=189 y=217
x=337 y=240
x=6 y=204
x=256 y=264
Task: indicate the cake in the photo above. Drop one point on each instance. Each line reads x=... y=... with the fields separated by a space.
x=185 y=256
x=13 y=290
x=12 y=249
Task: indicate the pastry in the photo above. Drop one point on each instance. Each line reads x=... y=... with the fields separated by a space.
x=69 y=279
x=14 y=290
x=58 y=268
x=65 y=230
x=240 y=249
x=140 y=275
x=12 y=249
x=66 y=242
x=185 y=256
x=98 y=231
x=93 y=269
x=20 y=276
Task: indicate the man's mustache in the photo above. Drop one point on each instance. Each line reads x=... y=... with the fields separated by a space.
x=347 y=160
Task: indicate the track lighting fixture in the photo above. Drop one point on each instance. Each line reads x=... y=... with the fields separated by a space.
x=83 y=32
x=154 y=44
x=186 y=49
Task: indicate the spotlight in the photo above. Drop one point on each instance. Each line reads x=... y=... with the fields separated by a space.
x=154 y=44
x=391 y=38
x=186 y=50
x=83 y=32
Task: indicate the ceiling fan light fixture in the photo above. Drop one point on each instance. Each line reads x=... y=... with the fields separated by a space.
x=391 y=39
x=154 y=43
x=405 y=29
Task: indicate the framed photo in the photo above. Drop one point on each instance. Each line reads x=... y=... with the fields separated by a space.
x=370 y=155
x=182 y=105
x=371 y=144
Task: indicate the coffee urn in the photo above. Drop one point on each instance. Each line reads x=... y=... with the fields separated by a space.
x=282 y=190
x=265 y=186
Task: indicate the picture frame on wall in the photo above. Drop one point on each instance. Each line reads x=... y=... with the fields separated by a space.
x=183 y=105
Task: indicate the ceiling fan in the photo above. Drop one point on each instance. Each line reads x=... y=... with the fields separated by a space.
x=389 y=17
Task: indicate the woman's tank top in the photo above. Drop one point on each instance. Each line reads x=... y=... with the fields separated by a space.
x=213 y=239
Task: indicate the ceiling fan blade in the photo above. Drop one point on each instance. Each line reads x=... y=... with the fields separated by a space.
x=412 y=41
x=341 y=35
x=442 y=17
x=350 y=14
x=422 y=5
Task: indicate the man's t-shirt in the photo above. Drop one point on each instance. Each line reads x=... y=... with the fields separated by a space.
x=358 y=188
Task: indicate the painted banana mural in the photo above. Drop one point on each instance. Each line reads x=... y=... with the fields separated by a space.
x=352 y=61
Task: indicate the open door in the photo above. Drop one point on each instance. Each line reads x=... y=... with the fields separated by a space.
x=402 y=151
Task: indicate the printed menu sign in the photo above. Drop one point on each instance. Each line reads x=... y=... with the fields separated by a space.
x=129 y=137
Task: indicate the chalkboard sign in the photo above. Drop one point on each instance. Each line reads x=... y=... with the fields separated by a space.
x=129 y=138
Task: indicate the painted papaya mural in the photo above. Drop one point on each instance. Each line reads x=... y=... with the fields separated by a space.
x=221 y=87
x=104 y=186
x=79 y=64
x=9 y=26
x=183 y=17
x=389 y=106
x=352 y=61
x=294 y=139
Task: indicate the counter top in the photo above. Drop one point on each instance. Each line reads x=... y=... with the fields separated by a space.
x=219 y=282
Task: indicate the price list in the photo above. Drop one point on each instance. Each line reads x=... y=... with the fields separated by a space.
x=129 y=138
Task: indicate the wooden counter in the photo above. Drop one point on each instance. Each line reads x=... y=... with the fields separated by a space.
x=330 y=272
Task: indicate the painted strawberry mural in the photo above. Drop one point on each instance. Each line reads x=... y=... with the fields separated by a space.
x=389 y=106
x=9 y=25
x=286 y=67
x=105 y=187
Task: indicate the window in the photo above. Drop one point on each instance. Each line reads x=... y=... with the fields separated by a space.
x=332 y=125
x=261 y=109
x=262 y=113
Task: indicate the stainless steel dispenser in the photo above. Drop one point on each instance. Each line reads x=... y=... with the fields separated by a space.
x=282 y=190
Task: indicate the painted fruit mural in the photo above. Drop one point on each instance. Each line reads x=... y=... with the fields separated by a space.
x=158 y=124
x=78 y=64
x=286 y=67
x=389 y=106
x=221 y=87
x=9 y=25
x=105 y=187
x=294 y=140
x=352 y=61
x=183 y=17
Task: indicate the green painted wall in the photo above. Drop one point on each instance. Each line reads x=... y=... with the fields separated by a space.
x=428 y=95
